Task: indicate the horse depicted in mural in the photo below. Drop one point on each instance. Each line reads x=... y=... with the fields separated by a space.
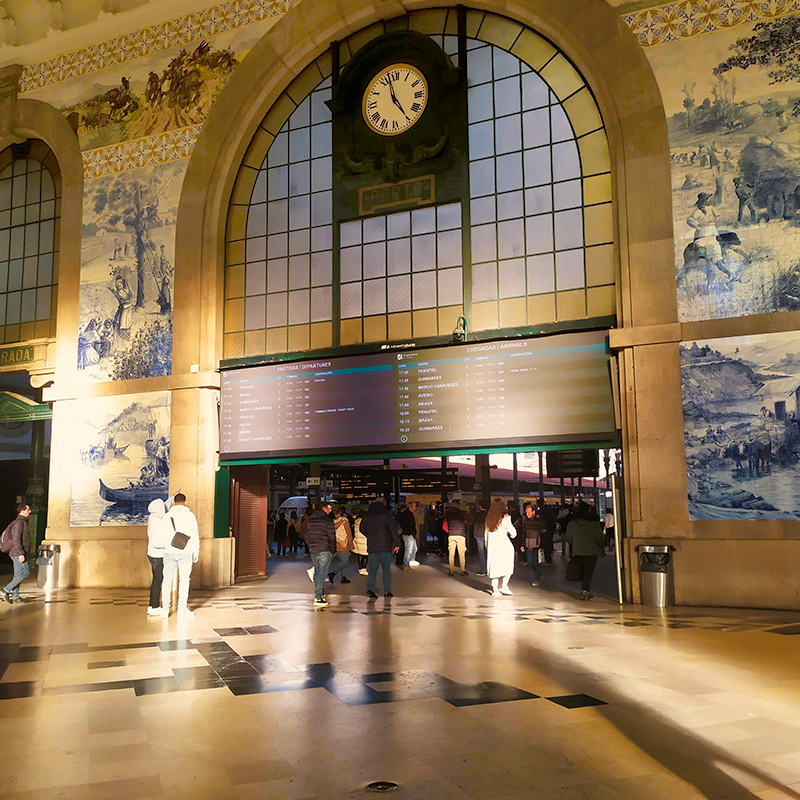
x=759 y=453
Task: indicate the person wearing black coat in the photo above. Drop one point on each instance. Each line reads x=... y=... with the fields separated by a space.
x=281 y=532
x=320 y=539
x=383 y=539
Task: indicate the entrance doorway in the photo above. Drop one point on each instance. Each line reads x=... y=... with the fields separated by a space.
x=24 y=454
x=261 y=492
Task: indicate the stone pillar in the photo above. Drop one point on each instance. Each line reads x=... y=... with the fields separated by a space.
x=483 y=475
x=35 y=493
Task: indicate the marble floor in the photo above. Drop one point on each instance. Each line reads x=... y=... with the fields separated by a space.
x=444 y=690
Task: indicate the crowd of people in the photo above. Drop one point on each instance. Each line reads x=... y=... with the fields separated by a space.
x=505 y=538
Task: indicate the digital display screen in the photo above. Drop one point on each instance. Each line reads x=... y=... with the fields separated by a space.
x=548 y=390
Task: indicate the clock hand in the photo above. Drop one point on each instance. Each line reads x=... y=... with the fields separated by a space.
x=394 y=98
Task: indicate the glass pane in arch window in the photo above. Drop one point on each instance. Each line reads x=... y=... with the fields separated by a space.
x=289 y=236
x=28 y=250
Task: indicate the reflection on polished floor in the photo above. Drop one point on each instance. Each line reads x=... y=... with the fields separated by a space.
x=444 y=690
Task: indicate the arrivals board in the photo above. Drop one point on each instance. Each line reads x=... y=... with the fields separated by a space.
x=538 y=391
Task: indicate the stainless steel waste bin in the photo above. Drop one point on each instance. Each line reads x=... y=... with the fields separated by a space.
x=48 y=564
x=656 y=579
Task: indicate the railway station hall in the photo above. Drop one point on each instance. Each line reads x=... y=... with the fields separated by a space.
x=399 y=397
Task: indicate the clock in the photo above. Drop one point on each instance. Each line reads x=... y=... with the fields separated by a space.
x=395 y=99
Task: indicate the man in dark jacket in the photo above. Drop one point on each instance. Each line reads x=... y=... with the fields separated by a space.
x=321 y=541
x=533 y=529
x=20 y=536
x=408 y=528
x=383 y=539
x=547 y=515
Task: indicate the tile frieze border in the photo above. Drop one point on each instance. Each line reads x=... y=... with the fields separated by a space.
x=674 y=21
x=151 y=150
x=182 y=30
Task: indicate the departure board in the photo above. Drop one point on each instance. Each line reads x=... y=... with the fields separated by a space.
x=545 y=390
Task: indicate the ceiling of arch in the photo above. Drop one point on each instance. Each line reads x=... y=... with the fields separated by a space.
x=25 y=21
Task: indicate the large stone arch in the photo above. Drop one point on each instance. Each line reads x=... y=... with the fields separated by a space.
x=602 y=48
x=588 y=31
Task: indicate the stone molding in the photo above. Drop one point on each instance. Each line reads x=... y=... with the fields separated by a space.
x=9 y=89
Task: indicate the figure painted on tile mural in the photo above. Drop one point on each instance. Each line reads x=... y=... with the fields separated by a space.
x=123 y=319
x=162 y=457
x=744 y=191
x=88 y=345
x=164 y=300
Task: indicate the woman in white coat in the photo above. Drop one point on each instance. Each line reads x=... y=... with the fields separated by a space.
x=499 y=550
x=360 y=544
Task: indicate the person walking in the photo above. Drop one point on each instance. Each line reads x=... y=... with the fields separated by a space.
x=320 y=538
x=155 y=553
x=586 y=542
x=547 y=515
x=294 y=531
x=360 y=547
x=532 y=534
x=408 y=530
x=181 y=539
x=281 y=532
x=303 y=529
x=456 y=527
x=16 y=541
x=499 y=549
x=608 y=528
x=383 y=539
x=479 y=531
x=344 y=545
x=270 y=531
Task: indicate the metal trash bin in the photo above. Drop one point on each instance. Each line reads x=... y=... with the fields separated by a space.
x=656 y=580
x=48 y=564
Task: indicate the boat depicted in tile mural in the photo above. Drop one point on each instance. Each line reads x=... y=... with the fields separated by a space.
x=127 y=273
x=123 y=459
x=734 y=127
x=741 y=412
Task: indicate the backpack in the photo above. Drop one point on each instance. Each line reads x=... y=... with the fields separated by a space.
x=5 y=539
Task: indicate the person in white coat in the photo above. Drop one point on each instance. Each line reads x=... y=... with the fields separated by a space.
x=181 y=539
x=499 y=550
x=155 y=554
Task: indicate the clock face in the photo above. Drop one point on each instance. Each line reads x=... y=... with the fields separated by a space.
x=395 y=99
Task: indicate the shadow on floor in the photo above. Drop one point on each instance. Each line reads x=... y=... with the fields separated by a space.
x=688 y=756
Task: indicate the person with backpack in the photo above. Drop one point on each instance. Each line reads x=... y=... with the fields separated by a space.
x=16 y=541
x=344 y=545
x=181 y=540
x=586 y=541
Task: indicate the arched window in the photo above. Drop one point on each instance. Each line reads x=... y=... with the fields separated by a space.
x=29 y=220
x=530 y=242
